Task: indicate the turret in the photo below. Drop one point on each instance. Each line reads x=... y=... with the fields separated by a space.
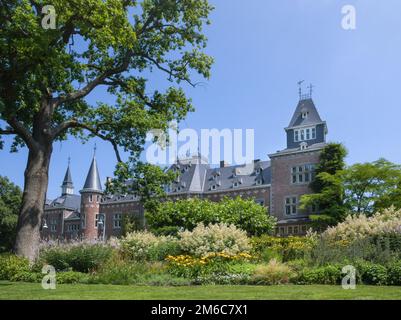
x=90 y=202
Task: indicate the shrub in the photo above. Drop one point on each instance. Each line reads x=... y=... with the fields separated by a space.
x=80 y=256
x=330 y=274
x=27 y=276
x=68 y=277
x=123 y=272
x=372 y=273
x=394 y=274
x=145 y=246
x=171 y=216
x=213 y=238
x=12 y=265
x=272 y=273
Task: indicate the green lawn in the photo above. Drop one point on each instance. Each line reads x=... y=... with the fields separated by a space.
x=12 y=290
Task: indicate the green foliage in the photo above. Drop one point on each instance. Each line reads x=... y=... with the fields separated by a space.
x=285 y=249
x=11 y=266
x=330 y=274
x=125 y=272
x=77 y=257
x=131 y=223
x=371 y=187
x=186 y=214
x=372 y=273
x=394 y=273
x=147 y=182
x=10 y=202
x=328 y=196
x=71 y=277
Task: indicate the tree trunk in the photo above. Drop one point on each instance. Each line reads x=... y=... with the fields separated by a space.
x=33 y=201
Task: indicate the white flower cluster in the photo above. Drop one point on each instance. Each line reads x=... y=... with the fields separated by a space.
x=139 y=243
x=214 y=238
x=357 y=227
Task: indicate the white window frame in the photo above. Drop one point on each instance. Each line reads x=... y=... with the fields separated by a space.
x=291 y=205
x=305 y=134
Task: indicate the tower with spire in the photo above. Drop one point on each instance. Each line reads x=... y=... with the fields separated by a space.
x=91 y=195
x=293 y=168
x=67 y=187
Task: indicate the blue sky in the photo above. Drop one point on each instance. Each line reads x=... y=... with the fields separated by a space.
x=262 y=48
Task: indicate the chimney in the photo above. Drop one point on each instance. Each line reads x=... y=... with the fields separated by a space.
x=223 y=164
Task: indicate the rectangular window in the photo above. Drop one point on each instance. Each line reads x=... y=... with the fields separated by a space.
x=291 y=206
x=282 y=230
x=313 y=133
x=97 y=217
x=303 y=174
x=305 y=134
x=90 y=198
x=289 y=230
x=53 y=228
x=296 y=230
x=117 y=221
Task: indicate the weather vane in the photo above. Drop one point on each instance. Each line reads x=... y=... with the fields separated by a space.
x=300 y=88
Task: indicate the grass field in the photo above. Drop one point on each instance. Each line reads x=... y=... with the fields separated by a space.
x=30 y=291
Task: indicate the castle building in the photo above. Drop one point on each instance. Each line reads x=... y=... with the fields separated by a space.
x=277 y=184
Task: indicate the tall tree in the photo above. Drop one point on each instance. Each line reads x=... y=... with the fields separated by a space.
x=372 y=186
x=47 y=71
x=328 y=196
x=10 y=201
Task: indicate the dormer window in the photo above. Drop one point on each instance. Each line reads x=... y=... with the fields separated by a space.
x=305 y=114
x=258 y=170
x=303 y=145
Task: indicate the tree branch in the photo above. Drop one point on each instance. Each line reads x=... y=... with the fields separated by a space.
x=95 y=82
x=23 y=132
x=72 y=123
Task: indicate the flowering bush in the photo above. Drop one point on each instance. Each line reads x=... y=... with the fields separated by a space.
x=143 y=245
x=191 y=267
x=286 y=249
x=384 y=223
x=223 y=238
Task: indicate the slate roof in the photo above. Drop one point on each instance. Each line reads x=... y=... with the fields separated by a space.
x=92 y=182
x=67 y=178
x=308 y=106
x=67 y=201
x=198 y=177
